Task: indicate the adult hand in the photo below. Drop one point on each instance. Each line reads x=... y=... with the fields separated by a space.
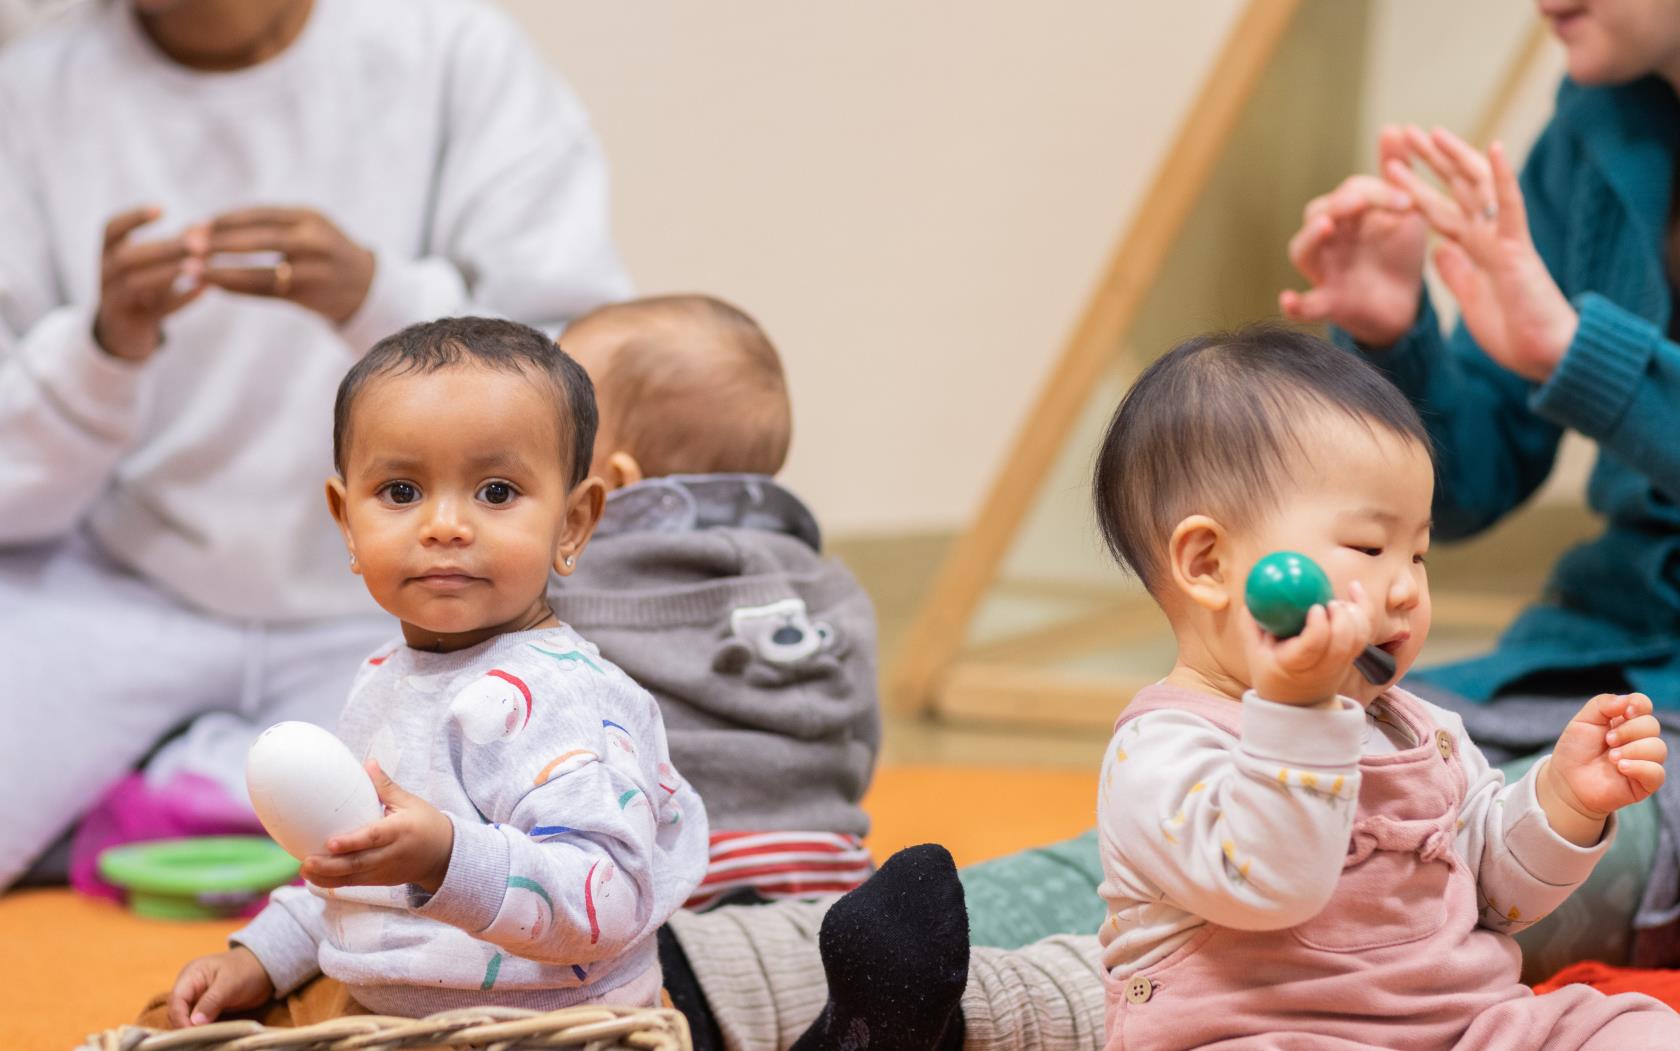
x=317 y=267
x=141 y=283
x=1309 y=668
x=1362 y=247
x=1610 y=755
x=223 y=981
x=410 y=844
x=1505 y=295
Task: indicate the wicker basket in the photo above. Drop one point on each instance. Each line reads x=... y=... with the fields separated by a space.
x=481 y=1028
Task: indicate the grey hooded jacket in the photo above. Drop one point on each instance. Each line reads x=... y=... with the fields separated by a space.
x=711 y=592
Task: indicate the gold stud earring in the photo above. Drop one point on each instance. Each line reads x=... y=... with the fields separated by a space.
x=352 y=561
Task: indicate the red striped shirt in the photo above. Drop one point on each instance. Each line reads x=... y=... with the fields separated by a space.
x=782 y=865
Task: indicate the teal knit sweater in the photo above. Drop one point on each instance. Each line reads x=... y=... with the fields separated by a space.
x=1598 y=187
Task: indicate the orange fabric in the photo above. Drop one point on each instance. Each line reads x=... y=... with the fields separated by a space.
x=1664 y=985
x=70 y=966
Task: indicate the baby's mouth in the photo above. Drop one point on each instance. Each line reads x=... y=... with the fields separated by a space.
x=1392 y=646
x=446 y=579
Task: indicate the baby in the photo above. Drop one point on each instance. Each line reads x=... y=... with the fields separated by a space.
x=706 y=583
x=541 y=834
x=1288 y=849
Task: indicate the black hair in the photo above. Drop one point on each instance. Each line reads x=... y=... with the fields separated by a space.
x=1208 y=426
x=493 y=343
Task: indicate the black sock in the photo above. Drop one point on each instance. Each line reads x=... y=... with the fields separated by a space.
x=896 y=954
x=683 y=988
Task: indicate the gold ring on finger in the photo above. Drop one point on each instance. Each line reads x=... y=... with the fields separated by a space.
x=282 y=277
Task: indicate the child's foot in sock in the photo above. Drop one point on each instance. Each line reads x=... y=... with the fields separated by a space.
x=896 y=954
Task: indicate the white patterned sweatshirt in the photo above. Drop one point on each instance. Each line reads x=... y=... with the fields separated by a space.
x=1192 y=827
x=575 y=838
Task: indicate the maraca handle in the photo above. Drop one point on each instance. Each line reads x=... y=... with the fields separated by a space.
x=1377 y=666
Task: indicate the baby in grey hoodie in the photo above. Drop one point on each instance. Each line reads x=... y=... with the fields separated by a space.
x=706 y=583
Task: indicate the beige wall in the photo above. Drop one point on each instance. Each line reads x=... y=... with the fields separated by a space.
x=913 y=198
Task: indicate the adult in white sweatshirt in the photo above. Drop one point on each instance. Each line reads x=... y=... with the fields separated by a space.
x=208 y=209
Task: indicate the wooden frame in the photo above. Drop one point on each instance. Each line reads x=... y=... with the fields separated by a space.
x=1004 y=680
x=937 y=632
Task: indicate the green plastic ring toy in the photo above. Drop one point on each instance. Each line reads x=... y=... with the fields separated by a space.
x=199 y=878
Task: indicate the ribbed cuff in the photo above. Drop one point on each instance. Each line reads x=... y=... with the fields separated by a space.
x=1537 y=847
x=403 y=292
x=97 y=391
x=282 y=946
x=1406 y=361
x=1595 y=382
x=1316 y=737
x=477 y=881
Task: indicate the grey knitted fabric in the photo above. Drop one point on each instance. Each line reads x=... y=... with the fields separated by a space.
x=762 y=974
x=759 y=967
x=711 y=592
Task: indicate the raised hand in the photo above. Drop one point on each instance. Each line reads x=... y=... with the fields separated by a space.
x=141 y=283
x=224 y=981
x=314 y=264
x=410 y=844
x=1609 y=756
x=1311 y=667
x=1487 y=257
x=1362 y=248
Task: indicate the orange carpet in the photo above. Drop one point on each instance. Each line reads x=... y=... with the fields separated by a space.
x=70 y=966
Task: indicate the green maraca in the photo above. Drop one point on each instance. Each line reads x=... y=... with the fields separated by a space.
x=1283 y=587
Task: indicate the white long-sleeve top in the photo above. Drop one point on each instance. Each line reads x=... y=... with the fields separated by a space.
x=428 y=130
x=1193 y=829
x=575 y=838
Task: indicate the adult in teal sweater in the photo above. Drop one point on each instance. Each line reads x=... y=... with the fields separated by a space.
x=1565 y=281
x=1566 y=322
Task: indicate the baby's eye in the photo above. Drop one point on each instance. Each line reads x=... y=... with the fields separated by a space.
x=496 y=492
x=1422 y=560
x=1374 y=552
x=400 y=492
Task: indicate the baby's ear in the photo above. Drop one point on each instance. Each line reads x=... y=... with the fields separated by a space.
x=1199 y=562
x=337 y=504
x=622 y=470
x=583 y=513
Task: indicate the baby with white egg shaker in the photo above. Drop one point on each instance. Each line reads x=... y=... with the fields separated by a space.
x=533 y=835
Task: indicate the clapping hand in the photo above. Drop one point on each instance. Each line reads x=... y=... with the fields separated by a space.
x=1487 y=257
x=1362 y=247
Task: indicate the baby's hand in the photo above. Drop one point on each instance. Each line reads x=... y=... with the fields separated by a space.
x=1607 y=757
x=1310 y=668
x=410 y=844
x=226 y=981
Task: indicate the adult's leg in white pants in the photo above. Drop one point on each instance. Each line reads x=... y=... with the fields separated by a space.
x=95 y=665
x=294 y=671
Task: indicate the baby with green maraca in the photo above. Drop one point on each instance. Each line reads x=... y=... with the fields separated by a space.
x=1292 y=843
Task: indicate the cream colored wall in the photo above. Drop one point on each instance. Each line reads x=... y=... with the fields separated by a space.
x=913 y=198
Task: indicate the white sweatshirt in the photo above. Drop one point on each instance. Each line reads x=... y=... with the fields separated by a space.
x=575 y=837
x=1193 y=829
x=428 y=130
